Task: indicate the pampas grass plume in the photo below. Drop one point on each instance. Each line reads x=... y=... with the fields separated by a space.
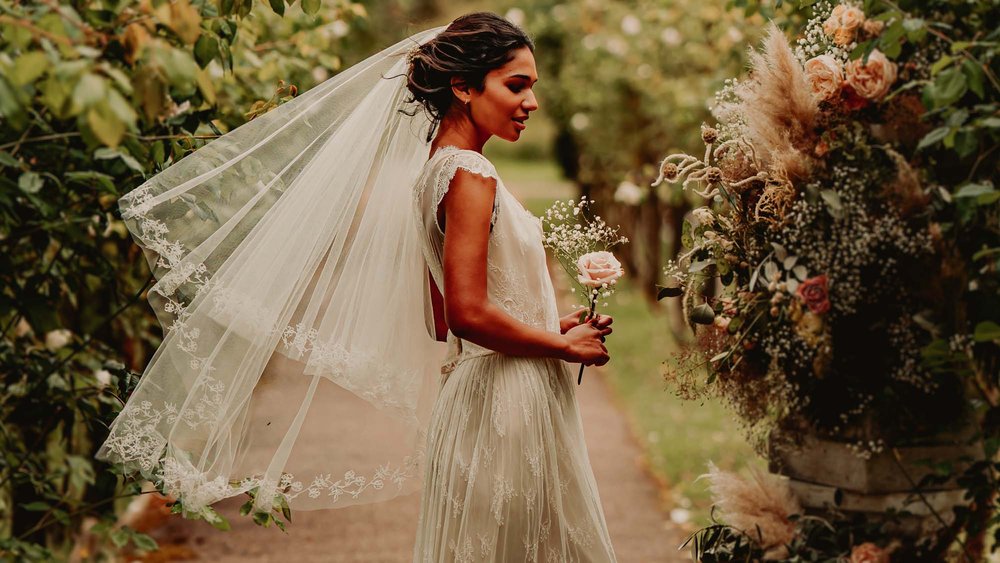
x=759 y=504
x=778 y=106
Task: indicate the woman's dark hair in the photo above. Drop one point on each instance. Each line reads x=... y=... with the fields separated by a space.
x=470 y=47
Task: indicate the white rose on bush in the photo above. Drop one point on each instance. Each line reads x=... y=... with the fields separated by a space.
x=599 y=268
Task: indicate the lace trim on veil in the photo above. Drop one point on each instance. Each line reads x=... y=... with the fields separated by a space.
x=135 y=441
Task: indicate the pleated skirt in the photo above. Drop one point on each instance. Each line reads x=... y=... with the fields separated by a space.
x=507 y=477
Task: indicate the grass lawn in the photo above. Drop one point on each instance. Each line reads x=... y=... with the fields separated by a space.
x=680 y=437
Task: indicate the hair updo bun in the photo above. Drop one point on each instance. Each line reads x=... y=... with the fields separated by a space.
x=470 y=47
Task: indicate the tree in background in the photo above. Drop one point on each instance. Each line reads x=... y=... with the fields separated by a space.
x=96 y=96
x=625 y=81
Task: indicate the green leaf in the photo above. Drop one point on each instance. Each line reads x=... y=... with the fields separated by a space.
x=105 y=124
x=987 y=331
x=207 y=48
x=310 y=6
x=89 y=90
x=9 y=161
x=144 y=542
x=703 y=314
x=669 y=292
x=949 y=87
x=119 y=537
x=28 y=67
x=966 y=142
x=940 y=64
x=262 y=518
x=37 y=506
x=88 y=177
x=933 y=137
x=30 y=182
x=278 y=6
x=975 y=77
x=105 y=153
x=974 y=190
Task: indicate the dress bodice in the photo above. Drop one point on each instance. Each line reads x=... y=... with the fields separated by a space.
x=518 y=279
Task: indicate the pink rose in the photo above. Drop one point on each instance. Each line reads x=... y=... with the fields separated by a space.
x=868 y=553
x=872 y=80
x=813 y=292
x=825 y=76
x=599 y=268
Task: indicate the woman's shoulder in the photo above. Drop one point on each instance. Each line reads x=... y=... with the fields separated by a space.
x=449 y=159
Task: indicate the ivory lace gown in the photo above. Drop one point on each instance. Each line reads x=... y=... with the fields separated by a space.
x=507 y=475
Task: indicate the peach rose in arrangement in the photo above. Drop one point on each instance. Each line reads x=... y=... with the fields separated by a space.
x=825 y=76
x=832 y=23
x=868 y=553
x=599 y=268
x=843 y=24
x=874 y=79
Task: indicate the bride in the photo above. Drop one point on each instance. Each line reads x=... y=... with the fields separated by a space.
x=309 y=265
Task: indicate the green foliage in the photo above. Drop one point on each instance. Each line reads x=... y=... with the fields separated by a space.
x=95 y=97
x=624 y=82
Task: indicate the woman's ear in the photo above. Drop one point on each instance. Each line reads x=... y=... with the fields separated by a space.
x=460 y=89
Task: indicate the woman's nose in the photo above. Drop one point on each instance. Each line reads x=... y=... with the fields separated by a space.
x=530 y=103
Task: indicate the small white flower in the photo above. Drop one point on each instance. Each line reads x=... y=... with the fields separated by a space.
x=671 y=36
x=339 y=29
x=103 y=376
x=58 y=338
x=579 y=121
x=515 y=16
x=629 y=193
x=631 y=25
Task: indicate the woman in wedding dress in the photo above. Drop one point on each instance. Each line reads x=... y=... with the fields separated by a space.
x=507 y=475
x=301 y=362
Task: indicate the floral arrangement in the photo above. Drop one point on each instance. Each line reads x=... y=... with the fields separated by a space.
x=842 y=278
x=580 y=241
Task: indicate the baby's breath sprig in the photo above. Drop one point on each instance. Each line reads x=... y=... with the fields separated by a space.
x=571 y=231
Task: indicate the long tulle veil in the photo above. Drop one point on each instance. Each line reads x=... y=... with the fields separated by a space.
x=292 y=290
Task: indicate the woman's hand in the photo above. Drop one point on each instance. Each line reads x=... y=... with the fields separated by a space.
x=572 y=320
x=585 y=344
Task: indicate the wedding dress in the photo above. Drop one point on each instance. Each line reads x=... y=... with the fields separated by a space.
x=507 y=476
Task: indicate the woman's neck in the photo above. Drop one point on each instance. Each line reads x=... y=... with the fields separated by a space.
x=457 y=130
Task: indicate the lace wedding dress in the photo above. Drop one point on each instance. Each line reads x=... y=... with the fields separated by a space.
x=507 y=476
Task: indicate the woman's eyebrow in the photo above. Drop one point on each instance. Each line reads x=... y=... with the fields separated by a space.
x=523 y=76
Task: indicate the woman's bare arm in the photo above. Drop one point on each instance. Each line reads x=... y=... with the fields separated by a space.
x=468 y=205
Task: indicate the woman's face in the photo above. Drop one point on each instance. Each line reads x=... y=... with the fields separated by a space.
x=503 y=105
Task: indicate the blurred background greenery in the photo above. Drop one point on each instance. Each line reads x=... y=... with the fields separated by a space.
x=98 y=95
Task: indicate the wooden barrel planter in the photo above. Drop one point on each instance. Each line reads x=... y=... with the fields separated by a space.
x=828 y=476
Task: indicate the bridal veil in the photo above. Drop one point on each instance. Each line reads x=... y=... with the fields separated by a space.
x=297 y=362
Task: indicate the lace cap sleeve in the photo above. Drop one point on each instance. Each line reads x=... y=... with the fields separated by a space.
x=469 y=161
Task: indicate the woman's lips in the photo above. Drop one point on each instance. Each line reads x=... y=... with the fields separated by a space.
x=519 y=124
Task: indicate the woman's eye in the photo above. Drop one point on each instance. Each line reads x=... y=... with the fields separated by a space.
x=515 y=89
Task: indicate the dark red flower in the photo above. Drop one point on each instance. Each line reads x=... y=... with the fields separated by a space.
x=813 y=292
